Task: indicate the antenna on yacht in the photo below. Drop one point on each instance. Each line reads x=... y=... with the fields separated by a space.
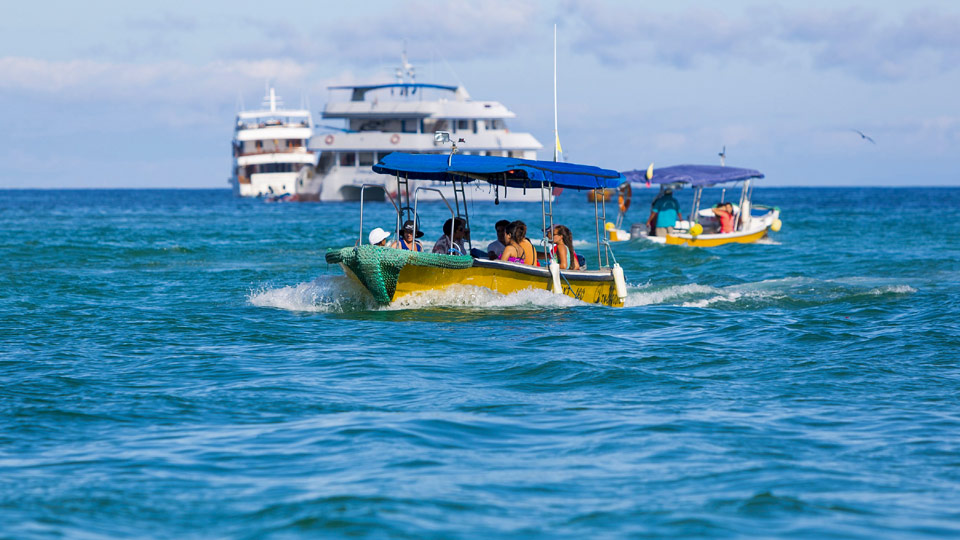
x=557 y=149
x=723 y=156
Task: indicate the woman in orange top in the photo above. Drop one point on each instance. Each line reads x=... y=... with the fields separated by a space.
x=519 y=249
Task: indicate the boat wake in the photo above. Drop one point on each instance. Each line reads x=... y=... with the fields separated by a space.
x=795 y=290
x=339 y=294
x=328 y=294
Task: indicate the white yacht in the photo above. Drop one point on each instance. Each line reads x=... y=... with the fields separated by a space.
x=403 y=117
x=270 y=149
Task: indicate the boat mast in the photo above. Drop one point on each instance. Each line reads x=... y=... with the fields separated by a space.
x=556 y=133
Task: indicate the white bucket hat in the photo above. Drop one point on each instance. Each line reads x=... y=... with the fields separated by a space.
x=378 y=235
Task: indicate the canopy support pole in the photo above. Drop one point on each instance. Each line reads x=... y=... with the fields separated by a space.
x=458 y=194
x=546 y=209
x=606 y=245
x=597 y=193
x=696 y=205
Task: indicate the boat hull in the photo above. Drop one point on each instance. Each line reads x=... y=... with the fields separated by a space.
x=713 y=240
x=507 y=278
x=759 y=227
x=391 y=274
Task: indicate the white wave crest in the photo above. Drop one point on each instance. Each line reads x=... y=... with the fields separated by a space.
x=324 y=294
x=645 y=296
x=893 y=289
x=466 y=296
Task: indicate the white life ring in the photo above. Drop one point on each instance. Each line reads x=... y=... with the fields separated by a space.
x=395 y=139
x=328 y=139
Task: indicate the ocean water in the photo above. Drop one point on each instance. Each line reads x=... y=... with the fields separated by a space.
x=178 y=364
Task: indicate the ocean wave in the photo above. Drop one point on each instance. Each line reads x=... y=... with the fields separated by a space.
x=645 y=296
x=329 y=294
x=338 y=294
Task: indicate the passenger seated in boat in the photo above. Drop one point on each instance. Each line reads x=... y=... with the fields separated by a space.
x=406 y=240
x=495 y=248
x=724 y=213
x=457 y=229
x=378 y=237
x=563 y=248
x=518 y=248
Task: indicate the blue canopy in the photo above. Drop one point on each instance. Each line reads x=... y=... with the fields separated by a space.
x=501 y=171
x=695 y=175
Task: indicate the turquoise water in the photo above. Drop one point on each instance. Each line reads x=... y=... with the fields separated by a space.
x=184 y=364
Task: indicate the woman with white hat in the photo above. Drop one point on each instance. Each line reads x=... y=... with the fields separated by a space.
x=378 y=237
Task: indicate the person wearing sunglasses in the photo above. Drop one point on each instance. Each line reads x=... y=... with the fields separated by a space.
x=451 y=242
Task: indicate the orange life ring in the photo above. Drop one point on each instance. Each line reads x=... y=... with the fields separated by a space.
x=623 y=199
x=328 y=139
x=395 y=139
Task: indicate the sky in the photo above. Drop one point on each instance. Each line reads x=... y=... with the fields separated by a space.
x=118 y=94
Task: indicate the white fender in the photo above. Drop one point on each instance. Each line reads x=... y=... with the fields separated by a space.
x=555 y=275
x=619 y=281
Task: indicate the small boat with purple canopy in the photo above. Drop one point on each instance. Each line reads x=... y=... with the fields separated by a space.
x=750 y=222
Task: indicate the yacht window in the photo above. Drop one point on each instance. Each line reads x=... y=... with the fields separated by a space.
x=408 y=126
x=463 y=124
x=366 y=159
x=348 y=159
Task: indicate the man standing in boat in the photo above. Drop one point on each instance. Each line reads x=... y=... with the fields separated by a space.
x=664 y=214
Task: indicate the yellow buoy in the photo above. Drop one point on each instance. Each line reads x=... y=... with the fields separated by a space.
x=775 y=226
x=696 y=230
x=609 y=226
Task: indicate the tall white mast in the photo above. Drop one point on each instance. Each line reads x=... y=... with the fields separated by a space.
x=556 y=133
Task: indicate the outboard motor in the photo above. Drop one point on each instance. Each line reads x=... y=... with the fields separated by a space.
x=638 y=229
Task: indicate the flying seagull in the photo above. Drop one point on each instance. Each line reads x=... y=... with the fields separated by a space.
x=867 y=137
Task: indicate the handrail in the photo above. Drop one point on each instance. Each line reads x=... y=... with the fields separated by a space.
x=416 y=200
x=610 y=251
x=294 y=150
x=363 y=188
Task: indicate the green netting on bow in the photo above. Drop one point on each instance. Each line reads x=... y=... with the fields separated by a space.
x=378 y=267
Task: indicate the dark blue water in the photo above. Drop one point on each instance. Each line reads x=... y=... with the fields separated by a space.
x=185 y=364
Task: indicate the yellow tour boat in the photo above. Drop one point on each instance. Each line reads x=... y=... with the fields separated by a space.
x=704 y=228
x=390 y=274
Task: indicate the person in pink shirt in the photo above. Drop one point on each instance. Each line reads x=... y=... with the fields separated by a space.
x=724 y=212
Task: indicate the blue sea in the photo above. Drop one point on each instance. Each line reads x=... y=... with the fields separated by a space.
x=184 y=364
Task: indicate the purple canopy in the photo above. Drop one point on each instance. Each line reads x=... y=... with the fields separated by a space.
x=695 y=175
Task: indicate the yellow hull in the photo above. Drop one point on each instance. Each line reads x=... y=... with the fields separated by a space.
x=595 y=287
x=715 y=240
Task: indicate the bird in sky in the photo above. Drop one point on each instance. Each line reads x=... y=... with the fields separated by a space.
x=863 y=135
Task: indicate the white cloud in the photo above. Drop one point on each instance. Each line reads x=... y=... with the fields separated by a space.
x=858 y=42
x=168 y=81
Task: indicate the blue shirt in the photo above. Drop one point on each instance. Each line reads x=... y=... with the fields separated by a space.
x=667 y=210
